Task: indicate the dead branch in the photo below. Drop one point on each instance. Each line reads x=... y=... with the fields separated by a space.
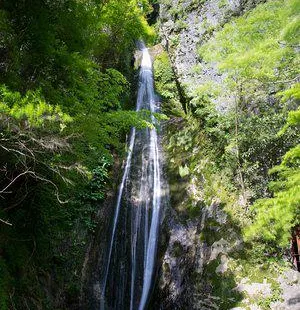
x=12 y=150
x=32 y=173
x=5 y=222
x=14 y=180
x=53 y=184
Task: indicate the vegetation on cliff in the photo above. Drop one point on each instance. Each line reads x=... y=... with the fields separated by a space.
x=259 y=55
x=237 y=147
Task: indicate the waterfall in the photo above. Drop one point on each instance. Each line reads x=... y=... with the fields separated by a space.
x=129 y=270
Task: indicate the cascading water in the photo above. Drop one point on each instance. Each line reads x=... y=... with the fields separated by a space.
x=129 y=269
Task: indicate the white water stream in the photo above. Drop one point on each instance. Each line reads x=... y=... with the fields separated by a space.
x=129 y=269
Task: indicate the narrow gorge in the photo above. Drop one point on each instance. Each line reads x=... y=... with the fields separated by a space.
x=162 y=175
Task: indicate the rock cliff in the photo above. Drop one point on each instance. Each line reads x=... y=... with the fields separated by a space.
x=204 y=261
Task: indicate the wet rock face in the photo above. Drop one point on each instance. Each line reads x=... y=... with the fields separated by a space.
x=192 y=258
x=290 y=286
x=185 y=25
x=177 y=266
x=95 y=256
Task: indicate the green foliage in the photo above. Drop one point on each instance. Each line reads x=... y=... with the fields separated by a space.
x=222 y=285
x=113 y=87
x=276 y=216
x=291 y=93
x=31 y=109
x=33 y=182
x=65 y=82
x=180 y=25
x=240 y=48
x=165 y=84
x=94 y=192
x=258 y=55
x=98 y=182
x=126 y=20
